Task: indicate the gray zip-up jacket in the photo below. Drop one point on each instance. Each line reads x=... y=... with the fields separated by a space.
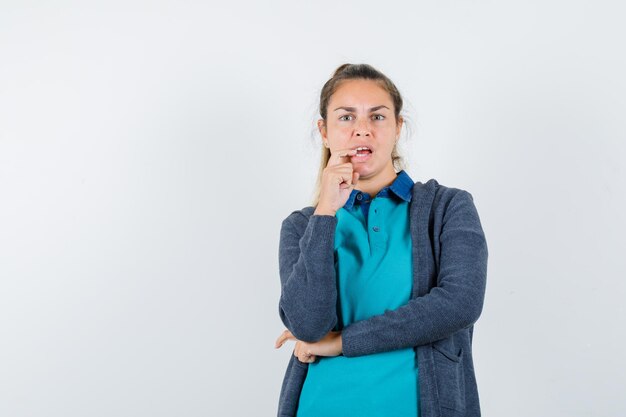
x=449 y=277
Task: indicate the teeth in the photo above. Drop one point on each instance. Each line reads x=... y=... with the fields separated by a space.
x=360 y=148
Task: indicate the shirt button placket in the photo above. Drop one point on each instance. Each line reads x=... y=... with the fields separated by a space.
x=375 y=236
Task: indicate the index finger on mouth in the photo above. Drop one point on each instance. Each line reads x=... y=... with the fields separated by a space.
x=345 y=153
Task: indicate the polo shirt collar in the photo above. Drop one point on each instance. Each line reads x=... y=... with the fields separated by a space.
x=402 y=187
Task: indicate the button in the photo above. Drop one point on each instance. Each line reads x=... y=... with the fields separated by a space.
x=359 y=196
x=375 y=228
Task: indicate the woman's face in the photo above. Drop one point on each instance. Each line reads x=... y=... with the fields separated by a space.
x=361 y=113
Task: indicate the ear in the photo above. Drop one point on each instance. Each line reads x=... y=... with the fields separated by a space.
x=321 y=126
x=399 y=125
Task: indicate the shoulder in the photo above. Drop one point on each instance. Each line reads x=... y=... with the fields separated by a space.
x=301 y=215
x=298 y=219
x=440 y=193
x=440 y=198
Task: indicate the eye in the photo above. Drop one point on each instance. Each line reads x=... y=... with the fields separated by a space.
x=379 y=115
x=345 y=115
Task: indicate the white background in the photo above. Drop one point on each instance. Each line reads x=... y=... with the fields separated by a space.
x=150 y=150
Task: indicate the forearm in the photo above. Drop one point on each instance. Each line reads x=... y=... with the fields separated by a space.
x=454 y=303
x=423 y=320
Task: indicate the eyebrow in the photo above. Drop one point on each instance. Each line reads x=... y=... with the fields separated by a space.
x=354 y=108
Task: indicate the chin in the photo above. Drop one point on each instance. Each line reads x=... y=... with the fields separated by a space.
x=364 y=171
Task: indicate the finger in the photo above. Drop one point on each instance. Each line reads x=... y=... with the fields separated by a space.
x=308 y=355
x=309 y=358
x=341 y=156
x=302 y=352
x=345 y=174
x=343 y=153
x=355 y=178
x=306 y=358
x=279 y=341
x=283 y=337
x=300 y=355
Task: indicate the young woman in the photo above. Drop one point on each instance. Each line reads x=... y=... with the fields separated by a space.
x=382 y=278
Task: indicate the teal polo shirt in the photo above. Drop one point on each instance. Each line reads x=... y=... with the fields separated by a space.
x=374 y=272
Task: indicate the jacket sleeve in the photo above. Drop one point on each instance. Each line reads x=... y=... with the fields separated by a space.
x=308 y=300
x=455 y=303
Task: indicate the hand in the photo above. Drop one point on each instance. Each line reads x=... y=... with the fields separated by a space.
x=338 y=181
x=330 y=345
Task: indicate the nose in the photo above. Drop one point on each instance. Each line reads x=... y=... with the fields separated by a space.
x=362 y=129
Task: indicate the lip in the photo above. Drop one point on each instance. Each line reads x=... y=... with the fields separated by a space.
x=364 y=157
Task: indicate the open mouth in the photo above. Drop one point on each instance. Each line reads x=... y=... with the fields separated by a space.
x=362 y=153
x=363 y=150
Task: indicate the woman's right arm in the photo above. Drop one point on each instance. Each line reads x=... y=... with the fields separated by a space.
x=308 y=300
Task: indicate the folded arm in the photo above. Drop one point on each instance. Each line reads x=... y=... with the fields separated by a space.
x=455 y=303
x=308 y=300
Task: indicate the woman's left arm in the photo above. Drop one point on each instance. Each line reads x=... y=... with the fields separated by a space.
x=455 y=303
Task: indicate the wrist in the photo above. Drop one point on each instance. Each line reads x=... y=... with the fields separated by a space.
x=340 y=343
x=321 y=211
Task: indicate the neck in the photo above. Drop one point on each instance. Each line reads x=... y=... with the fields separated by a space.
x=373 y=185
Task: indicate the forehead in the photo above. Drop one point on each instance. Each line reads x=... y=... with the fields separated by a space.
x=360 y=92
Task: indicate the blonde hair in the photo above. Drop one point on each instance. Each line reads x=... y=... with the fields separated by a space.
x=350 y=72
